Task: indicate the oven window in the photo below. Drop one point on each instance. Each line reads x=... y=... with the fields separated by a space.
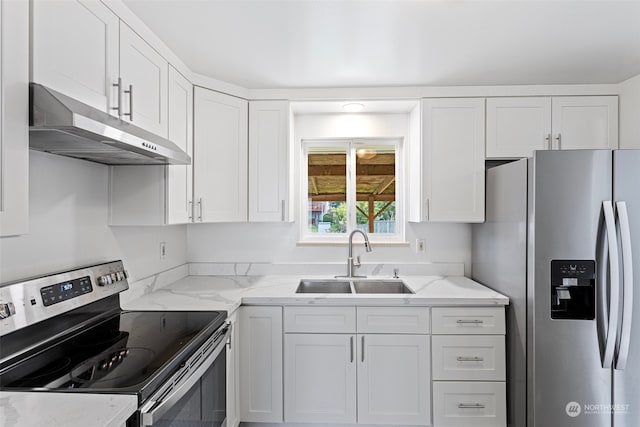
x=205 y=404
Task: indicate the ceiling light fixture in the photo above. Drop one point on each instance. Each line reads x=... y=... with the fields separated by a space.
x=353 y=107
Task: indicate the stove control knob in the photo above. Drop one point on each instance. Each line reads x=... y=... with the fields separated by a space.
x=103 y=365
x=7 y=310
x=102 y=280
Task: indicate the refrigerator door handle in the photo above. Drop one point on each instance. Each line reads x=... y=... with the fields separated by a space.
x=614 y=287
x=624 y=338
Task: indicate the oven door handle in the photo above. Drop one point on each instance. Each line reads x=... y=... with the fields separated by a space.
x=152 y=411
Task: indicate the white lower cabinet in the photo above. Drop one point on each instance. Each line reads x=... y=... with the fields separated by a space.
x=320 y=378
x=394 y=380
x=261 y=364
x=333 y=374
x=467 y=404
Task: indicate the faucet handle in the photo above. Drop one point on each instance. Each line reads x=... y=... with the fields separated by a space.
x=356 y=263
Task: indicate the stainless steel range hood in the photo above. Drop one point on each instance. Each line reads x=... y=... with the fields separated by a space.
x=61 y=125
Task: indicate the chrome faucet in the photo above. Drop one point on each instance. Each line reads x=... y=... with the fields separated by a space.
x=351 y=264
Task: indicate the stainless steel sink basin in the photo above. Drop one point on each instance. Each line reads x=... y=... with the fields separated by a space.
x=324 y=287
x=381 y=287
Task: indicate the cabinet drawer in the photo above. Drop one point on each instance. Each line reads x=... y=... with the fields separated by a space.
x=468 y=321
x=320 y=319
x=468 y=357
x=463 y=404
x=402 y=320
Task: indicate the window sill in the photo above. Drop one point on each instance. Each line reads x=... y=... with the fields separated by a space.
x=345 y=243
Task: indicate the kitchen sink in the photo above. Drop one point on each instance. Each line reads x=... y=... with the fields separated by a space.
x=381 y=287
x=324 y=287
x=360 y=286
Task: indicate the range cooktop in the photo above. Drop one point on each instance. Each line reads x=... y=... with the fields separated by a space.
x=121 y=353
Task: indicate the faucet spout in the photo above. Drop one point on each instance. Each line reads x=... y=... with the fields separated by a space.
x=351 y=265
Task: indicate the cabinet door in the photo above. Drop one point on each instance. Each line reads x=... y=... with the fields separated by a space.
x=269 y=167
x=233 y=397
x=220 y=157
x=14 y=117
x=394 y=380
x=453 y=138
x=518 y=126
x=144 y=79
x=319 y=378
x=75 y=50
x=261 y=364
x=585 y=122
x=180 y=191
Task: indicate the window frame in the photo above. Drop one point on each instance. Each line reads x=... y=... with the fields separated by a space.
x=351 y=145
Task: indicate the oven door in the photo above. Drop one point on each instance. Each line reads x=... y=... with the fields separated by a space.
x=196 y=397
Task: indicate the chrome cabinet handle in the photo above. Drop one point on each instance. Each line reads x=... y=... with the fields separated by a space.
x=548 y=139
x=471 y=405
x=200 y=205
x=471 y=321
x=559 y=139
x=190 y=210
x=614 y=290
x=351 y=347
x=282 y=210
x=469 y=359
x=362 y=358
x=624 y=339
x=118 y=107
x=427 y=206
x=130 y=92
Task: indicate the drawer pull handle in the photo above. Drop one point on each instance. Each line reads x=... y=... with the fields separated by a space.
x=471 y=406
x=470 y=359
x=471 y=321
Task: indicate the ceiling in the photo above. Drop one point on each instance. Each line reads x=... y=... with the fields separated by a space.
x=359 y=43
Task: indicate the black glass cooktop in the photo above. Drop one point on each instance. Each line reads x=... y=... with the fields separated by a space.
x=121 y=353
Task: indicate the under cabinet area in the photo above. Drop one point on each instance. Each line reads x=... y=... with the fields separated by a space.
x=517 y=126
x=158 y=195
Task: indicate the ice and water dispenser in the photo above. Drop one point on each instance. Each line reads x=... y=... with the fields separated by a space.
x=573 y=289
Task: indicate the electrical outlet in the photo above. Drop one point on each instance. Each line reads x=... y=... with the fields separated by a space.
x=420 y=246
x=163 y=250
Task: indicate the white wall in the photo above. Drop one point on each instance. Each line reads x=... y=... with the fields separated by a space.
x=630 y=113
x=277 y=243
x=68 y=228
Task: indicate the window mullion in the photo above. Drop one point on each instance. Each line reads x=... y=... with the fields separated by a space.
x=351 y=187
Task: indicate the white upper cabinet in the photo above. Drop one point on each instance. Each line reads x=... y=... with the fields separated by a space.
x=75 y=50
x=14 y=117
x=453 y=162
x=269 y=161
x=144 y=83
x=517 y=126
x=220 y=157
x=588 y=122
x=180 y=188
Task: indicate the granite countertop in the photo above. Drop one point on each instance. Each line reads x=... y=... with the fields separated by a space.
x=33 y=409
x=229 y=292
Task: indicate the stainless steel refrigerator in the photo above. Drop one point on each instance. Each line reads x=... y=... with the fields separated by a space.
x=562 y=240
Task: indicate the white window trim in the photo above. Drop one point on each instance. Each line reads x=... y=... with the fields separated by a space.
x=308 y=238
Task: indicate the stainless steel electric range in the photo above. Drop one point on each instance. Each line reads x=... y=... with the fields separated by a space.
x=66 y=332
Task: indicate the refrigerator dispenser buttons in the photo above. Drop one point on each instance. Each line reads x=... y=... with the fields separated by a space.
x=573 y=294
